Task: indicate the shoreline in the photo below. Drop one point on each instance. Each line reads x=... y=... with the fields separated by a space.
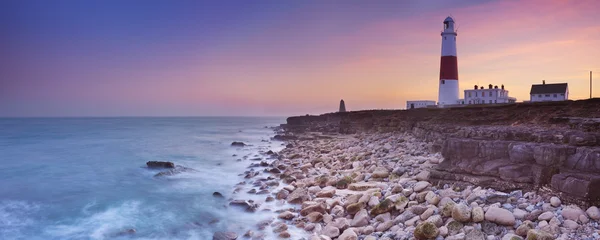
x=376 y=186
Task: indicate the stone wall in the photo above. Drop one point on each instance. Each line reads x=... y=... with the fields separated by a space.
x=517 y=146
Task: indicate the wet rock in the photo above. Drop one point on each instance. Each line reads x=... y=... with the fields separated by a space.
x=426 y=230
x=316 y=207
x=298 y=196
x=287 y=215
x=500 y=216
x=314 y=217
x=174 y=171
x=159 y=164
x=238 y=144
x=225 y=236
x=279 y=227
x=218 y=195
x=282 y=194
x=326 y=193
x=284 y=234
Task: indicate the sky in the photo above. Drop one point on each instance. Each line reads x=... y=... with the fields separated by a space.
x=279 y=58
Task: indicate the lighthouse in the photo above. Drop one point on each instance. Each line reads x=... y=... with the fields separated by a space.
x=448 y=91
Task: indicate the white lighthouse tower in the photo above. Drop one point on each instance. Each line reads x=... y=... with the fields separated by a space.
x=448 y=92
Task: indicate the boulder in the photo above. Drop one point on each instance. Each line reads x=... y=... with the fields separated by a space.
x=361 y=186
x=238 y=144
x=384 y=206
x=330 y=231
x=535 y=234
x=225 y=236
x=218 y=195
x=461 y=213
x=287 y=215
x=159 y=164
x=380 y=172
x=426 y=230
x=555 y=202
x=593 y=212
x=361 y=219
x=478 y=214
x=314 y=217
x=298 y=196
x=500 y=216
x=572 y=212
x=420 y=186
x=316 y=207
x=348 y=234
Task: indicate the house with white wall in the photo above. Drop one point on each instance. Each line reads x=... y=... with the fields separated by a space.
x=549 y=92
x=491 y=95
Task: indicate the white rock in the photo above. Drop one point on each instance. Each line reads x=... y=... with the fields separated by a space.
x=593 y=212
x=572 y=212
x=420 y=186
x=348 y=234
x=555 y=202
x=361 y=219
x=422 y=176
x=460 y=236
x=546 y=216
x=511 y=236
x=443 y=231
x=500 y=216
x=330 y=231
x=571 y=224
x=519 y=214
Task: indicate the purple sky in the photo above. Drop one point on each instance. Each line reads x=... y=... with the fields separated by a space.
x=237 y=58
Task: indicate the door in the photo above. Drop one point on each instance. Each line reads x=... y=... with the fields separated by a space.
x=412 y=106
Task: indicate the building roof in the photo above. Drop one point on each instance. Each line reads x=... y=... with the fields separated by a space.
x=449 y=19
x=548 y=88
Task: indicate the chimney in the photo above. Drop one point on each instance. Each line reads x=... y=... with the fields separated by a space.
x=543 y=82
x=502 y=86
x=496 y=87
x=342 y=106
x=481 y=87
x=490 y=86
x=475 y=86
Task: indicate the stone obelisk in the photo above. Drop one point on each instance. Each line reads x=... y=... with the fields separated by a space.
x=342 y=106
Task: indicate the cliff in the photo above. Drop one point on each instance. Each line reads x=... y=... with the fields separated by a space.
x=516 y=146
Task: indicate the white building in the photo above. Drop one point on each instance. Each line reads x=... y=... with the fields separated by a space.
x=492 y=95
x=549 y=92
x=448 y=84
x=419 y=104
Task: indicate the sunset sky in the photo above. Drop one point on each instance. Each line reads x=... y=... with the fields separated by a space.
x=279 y=58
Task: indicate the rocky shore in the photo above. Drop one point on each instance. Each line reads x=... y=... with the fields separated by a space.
x=421 y=175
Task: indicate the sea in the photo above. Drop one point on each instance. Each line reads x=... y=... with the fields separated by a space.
x=86 y=178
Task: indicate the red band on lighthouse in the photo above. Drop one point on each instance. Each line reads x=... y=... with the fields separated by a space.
x=449 y=68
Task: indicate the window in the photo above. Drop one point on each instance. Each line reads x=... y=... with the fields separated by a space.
x=490 y=101
x=539 y=95
x=444 y=38
x=469 y=101
x=490 y=94
x=469 y=94
x=547 y=95
x=555 y=95
x=475 y=94
x=562 y=94
x=495 y=101
x=443 y=81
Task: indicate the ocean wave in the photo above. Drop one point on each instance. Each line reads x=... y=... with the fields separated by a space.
x=15 y=217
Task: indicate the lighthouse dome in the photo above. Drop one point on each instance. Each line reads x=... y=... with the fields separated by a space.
x=449 y=19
